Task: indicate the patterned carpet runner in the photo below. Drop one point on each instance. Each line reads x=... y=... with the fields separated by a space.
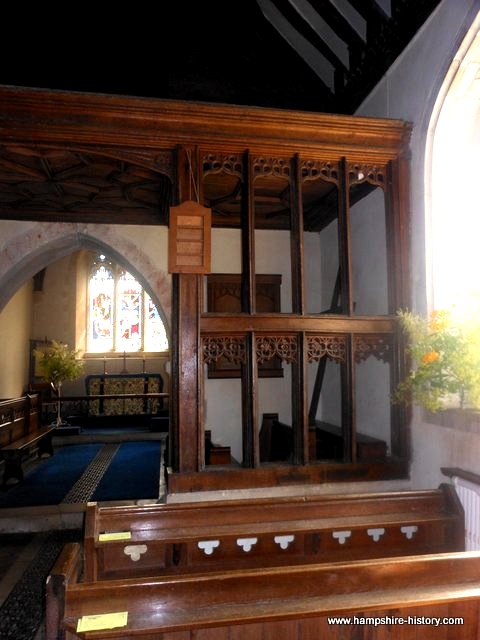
x=83 y=489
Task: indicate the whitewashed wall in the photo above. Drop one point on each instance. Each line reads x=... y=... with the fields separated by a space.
x=408 y=91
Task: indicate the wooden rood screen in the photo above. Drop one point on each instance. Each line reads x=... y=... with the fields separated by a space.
x=317 y=201
x=427 y=596
x=125 y=541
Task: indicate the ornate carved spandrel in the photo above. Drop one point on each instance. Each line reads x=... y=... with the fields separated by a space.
x=373 y=174
x=373 y=345
x=231 y=164
x=230 y=347
x=268 y=166
x=283 y=347
x=319 y=169
x=331 y=347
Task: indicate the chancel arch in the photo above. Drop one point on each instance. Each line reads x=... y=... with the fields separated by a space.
x=44 y=243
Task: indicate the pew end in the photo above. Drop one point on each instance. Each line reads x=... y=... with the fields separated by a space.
x=66 y=571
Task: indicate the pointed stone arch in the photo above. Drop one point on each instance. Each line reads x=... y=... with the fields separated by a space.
x=37 y=245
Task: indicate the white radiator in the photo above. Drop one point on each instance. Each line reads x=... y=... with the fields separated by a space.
x=469 y=495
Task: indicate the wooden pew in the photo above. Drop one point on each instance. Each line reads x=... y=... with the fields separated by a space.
x=166 y=539
x=291 y=602
x=20 y=431
x=329 y=443
x=216 y=453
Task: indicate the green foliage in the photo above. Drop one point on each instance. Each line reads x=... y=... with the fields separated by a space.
x=59 y=363
x=445 y=357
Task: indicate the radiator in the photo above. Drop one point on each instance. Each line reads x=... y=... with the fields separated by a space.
x=469 y=495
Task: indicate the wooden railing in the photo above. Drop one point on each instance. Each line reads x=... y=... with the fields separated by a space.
x=79 y=405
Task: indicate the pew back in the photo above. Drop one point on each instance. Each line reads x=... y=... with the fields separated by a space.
x=279 y=602
x=134 y=541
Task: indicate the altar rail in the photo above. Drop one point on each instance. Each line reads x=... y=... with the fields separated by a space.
x=287 y=602
x=133 y=388
x=126 y=541
x=78 y=406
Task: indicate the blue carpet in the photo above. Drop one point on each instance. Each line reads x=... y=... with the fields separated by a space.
x=133 y=474
x=52 y=479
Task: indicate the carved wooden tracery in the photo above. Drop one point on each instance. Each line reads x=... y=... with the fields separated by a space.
x=374 y=174
x=283 y=347
x=231 y=164
x=320 y=169
x=378 y=346
x=230 y=347
x=331 y=347
x=265 y=166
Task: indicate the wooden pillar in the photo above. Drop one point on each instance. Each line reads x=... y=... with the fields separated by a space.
x=296 y=238
x=189 y=259
x=250 y=435
x=344 y=243
x=187 y=445
x=248 y=238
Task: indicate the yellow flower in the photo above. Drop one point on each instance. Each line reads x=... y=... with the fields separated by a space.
x=429 y=357
x=439 y=320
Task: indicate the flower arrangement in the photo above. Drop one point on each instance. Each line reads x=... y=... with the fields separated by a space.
x=445 y=358
x=58 y=364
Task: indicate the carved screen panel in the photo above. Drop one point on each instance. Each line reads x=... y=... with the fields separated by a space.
x=271 y=190
x=321 y=254
x=326 y=357
x=222 y=191
x=373 y=386
x=223 y=296
x=222 y=408
x=368 y=239
x=274 y=397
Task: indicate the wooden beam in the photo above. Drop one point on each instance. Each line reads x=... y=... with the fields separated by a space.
x=286 y=323
x=64 y=119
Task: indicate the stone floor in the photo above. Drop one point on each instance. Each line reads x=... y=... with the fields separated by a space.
x=22 y=581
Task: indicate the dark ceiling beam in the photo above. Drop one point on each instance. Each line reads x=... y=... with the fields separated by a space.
x=323 y=69
x=373 y=14
x=305 y=28
x=342 y=28
x=369 y=10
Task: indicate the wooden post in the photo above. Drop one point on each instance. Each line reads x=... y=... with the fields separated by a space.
x=189 y=258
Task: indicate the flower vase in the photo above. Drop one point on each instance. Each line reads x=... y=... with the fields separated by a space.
x=58 y=389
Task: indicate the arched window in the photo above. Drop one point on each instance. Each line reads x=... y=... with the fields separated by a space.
x=121 y=314
x=452 y=203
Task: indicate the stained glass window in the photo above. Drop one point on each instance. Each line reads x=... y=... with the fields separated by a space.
x=122 y=316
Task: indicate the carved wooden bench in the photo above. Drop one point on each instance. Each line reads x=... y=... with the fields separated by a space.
x=291 y=602
x=123 y=541
x=20 y=432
